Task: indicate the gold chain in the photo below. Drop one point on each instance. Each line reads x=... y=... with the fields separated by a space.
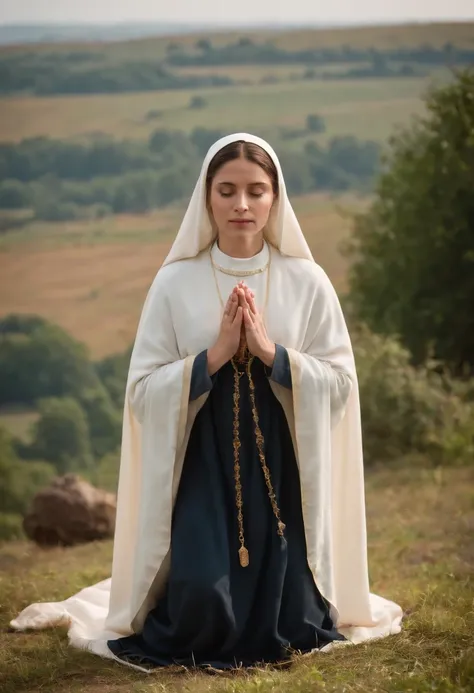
x=244 y=356
x=239 y=273
x=267 y=288
x=261 y=446
x=260 y=440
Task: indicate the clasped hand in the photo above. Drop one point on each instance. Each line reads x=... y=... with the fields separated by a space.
x=241 y=321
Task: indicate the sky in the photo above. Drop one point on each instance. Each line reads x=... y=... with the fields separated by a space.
x=228 y=11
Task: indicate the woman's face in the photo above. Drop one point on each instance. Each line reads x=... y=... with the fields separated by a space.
x=241 y=198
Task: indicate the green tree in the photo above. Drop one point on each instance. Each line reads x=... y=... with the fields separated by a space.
x=13 y=195
x=61 y=435
x=104 y=420
x=315 y=123
x=413 y=252
x=204 y=45
x=197 y=102
x=19 y=480
x=112 y=371
x=39 y=359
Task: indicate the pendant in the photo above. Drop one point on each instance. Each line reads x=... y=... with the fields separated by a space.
x=244 y=557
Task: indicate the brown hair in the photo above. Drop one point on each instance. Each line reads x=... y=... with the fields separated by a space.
x=246 y=150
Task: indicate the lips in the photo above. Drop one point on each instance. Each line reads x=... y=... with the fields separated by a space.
x=241 y=221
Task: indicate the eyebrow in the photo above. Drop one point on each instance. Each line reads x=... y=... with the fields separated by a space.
x=256 y=183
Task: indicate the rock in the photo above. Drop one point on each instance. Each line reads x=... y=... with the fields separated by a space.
x=70 y=511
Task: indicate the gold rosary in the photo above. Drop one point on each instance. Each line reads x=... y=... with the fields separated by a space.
x=245 y=358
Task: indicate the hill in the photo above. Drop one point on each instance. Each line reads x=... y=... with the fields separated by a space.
x=425 y=565
x=92 y=277
x=435 y=34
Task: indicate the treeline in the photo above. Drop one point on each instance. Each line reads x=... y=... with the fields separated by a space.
x=62 y=180
x=247 y=52
x=47 y=74
x=81 y=72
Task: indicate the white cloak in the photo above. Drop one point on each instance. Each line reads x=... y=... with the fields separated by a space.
x=180 y=318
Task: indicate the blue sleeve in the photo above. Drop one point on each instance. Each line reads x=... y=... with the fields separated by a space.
x=280 y=372
x=201 y=381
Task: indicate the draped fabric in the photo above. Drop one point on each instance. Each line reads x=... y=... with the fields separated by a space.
x=321 y=409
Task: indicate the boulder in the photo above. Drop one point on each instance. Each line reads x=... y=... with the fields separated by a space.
x=70 y=511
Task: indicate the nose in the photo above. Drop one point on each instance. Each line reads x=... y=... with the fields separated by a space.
x=241 y=203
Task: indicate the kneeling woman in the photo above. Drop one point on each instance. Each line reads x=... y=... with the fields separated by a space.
x=241 y=522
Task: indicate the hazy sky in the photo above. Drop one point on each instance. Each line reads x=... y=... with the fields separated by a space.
x=225 y=11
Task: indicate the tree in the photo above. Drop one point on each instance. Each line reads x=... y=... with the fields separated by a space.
x=202 y=138
x=20 y=480
x=112 y=371
x=104 y=420
x=204 y=45
x=197 y=102
x=413 y=252
x=39 y=359
x=315 y=123
x=61 y=435
x=13 y=195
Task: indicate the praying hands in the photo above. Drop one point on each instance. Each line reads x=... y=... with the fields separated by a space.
x=258 y=342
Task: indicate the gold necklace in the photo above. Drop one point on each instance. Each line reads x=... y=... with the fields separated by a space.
x=267 y=287
x=239 y=273
x=247 y=358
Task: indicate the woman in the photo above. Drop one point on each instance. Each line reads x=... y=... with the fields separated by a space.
x=240 y=531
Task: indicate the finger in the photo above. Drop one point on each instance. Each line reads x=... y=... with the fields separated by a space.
x=248 y=290
x=251 y=302
x=242 y=295
x=249 y=322
x=238 y=317
x=234 y=304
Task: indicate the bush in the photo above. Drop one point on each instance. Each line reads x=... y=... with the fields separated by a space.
x=315 y=123
x=13 y=195
x=11 y=527
x=39 y=359
x=104 y=420
x=106 y=473
x=61 y=435
x=408 y=410
x=197 y=102
x=20 y=480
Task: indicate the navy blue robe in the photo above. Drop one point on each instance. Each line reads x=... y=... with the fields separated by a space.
x=215 y=612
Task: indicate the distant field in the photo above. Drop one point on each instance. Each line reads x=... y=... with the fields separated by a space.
x=380 y=37
x=92 y=277
x=368 y=108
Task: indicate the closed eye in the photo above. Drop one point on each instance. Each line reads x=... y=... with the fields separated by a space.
x=229 y=194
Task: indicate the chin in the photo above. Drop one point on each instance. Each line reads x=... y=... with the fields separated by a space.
x=252 y=230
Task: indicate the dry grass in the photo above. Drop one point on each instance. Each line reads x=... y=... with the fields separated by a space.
x=18 y=421
x=421 y=554
x=91 y=277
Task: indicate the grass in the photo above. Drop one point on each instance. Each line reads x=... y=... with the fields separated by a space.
x=421 y=555
x=18 y=421
x=76 y=273
x=368 y=108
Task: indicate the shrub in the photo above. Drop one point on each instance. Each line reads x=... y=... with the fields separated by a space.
x=408 y=410
x=11 y=527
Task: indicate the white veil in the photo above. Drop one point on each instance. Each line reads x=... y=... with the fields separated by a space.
x=322 y=411
x=283 y=230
